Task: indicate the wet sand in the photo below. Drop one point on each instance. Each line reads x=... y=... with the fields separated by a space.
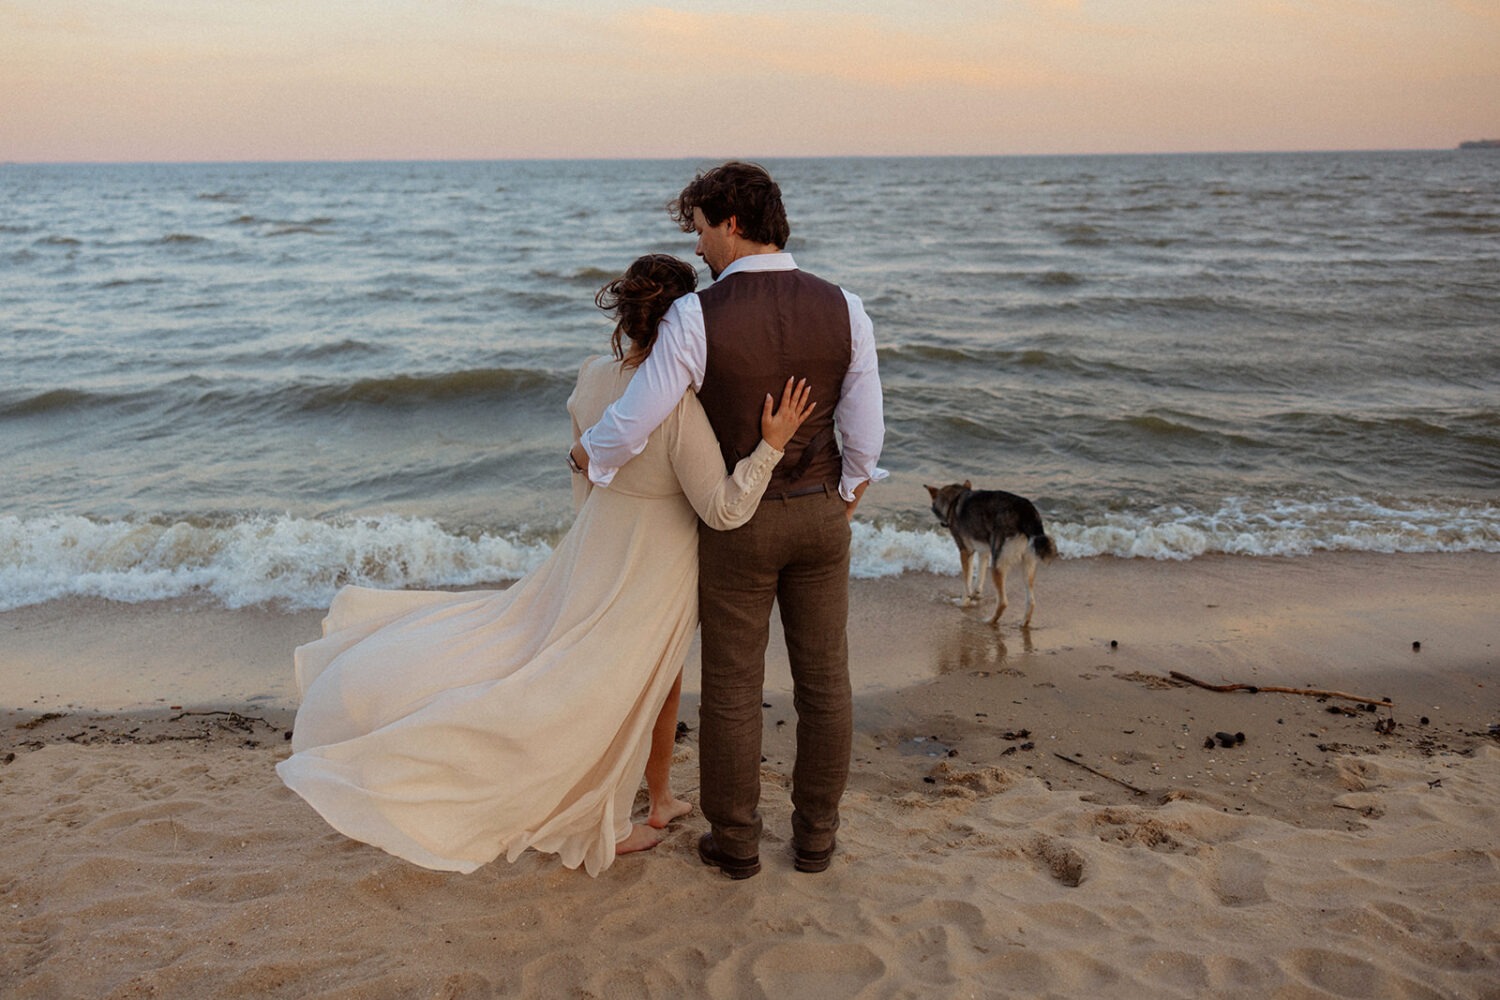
x=1032 y=812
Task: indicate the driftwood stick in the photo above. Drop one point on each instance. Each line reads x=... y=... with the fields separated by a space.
x=229 y=715
x=1254 y=688
x=1106 y=777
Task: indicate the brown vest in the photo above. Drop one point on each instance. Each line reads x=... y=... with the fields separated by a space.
x=762 y=327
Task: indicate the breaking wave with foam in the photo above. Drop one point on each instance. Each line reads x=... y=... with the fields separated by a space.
x=299 y=563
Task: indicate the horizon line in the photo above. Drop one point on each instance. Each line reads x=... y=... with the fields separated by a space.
x=721 y=159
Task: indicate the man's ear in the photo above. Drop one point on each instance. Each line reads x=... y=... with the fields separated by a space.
x=734 y=226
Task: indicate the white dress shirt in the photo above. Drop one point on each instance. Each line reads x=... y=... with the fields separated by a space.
x=679 y=359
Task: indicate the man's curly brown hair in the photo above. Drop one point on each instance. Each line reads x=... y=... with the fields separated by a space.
x=742 y=190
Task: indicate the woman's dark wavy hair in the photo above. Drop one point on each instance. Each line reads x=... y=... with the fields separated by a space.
x=743 y=190
x=639 y=298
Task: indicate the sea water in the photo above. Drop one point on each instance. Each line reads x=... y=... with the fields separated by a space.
x=254 y=382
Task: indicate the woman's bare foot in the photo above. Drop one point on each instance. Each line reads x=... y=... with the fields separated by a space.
x=665 y=812
x=642 y=838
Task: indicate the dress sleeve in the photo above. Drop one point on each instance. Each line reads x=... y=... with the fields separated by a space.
x=672 y=368
x=723 y=502
x=581 y=484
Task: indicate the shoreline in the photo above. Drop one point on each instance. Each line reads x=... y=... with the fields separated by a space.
x=1091 y=680
x=1028 y=814
x=1272 y=619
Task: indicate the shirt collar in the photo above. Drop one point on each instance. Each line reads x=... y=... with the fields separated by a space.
x=760 y=262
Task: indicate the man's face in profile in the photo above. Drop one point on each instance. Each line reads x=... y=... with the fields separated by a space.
x=715 y=243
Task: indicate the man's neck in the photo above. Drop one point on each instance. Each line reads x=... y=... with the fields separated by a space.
x=747 y=249
x=752 y=250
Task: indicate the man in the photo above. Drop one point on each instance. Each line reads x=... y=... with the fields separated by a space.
x=764 y=320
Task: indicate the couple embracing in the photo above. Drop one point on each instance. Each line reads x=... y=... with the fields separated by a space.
x=452 y=728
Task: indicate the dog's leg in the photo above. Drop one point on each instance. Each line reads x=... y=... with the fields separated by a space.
x=966 y=557
x=1030 y=558
x=997 y=573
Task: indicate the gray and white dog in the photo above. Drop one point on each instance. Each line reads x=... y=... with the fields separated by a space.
x=1005 y=526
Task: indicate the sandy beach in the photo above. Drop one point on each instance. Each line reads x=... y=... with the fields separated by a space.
x=1039 y=813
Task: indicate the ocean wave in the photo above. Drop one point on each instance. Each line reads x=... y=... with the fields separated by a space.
x=1244 y=527
x=299 y=563
x=286 y=561
x=130 y=282
x=443 y=387
x=198 y=394
x=587 y=277
x=54 y=401
x=994 y=358
x=296 y=230
x=1239 y=528
x=1056 y=279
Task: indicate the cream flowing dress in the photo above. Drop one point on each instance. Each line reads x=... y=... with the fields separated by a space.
x=451 y=728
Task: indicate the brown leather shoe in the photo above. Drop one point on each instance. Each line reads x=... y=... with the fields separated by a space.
x=812 y=862
x=735 y=868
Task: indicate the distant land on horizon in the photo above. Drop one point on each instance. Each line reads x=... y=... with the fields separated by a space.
x=1480 y=144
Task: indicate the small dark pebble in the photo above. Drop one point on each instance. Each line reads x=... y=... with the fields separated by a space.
x=8 y=758
x=1424 y=720
x=1028 y=745
x=1114 y=644
x=1226 y=739
x=765 y=704
x=930 y=780
x=1208 y=744
x=288 y=735
x=1416 y=645
x=952 y=753
x=1370 y=707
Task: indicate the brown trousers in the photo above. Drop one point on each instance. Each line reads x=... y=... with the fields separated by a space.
x=793 y=552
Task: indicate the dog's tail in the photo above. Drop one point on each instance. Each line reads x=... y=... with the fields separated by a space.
x=1036 y=535
x=1042 y=546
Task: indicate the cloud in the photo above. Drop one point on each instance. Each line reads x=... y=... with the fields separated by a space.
x=847 y=48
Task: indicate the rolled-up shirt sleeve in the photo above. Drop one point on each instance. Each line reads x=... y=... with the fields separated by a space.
x=674 y=366
x=860 y=415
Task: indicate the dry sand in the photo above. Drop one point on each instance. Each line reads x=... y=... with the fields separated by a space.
x=1336 y=852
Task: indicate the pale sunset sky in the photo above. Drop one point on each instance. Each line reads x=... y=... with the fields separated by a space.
x=214 y=80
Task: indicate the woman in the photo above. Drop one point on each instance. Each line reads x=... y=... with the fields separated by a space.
x=451 y=728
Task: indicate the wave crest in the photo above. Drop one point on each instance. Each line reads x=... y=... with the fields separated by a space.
x=299 y=563
x=292 y=562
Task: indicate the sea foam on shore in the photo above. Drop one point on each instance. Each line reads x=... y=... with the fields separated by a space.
x=298 y=563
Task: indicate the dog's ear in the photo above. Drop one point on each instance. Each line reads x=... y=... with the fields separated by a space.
x=968 y=485
x=931 y=491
